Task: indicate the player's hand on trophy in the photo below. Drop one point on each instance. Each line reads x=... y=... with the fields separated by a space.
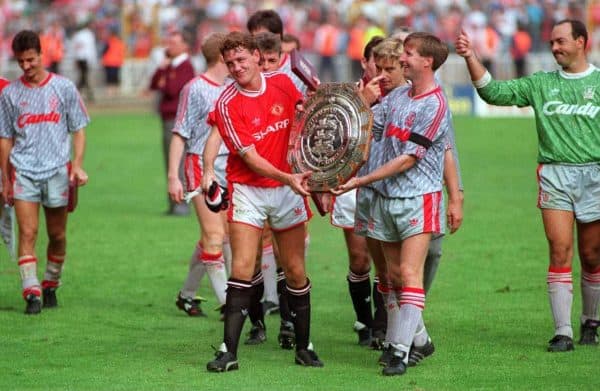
x=463 y=45
x=352 y=183
x=175 y=190
x=299 y=183
x=78 y=176
x=370 y=91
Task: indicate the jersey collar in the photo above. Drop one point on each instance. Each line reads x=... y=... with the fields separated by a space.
x=587 y=72
x=253 y=94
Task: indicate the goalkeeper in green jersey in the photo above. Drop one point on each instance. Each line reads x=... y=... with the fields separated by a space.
x=566 y=103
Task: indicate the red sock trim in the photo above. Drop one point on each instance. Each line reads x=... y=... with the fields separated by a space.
x=413 y=290
x=554 y=269
x=27 y=259
x=56 y=258
x=49 y=284
x=32 y=290
x=206 y=257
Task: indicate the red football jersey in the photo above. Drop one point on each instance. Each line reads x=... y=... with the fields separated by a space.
x=3 y=83
x=262 y=119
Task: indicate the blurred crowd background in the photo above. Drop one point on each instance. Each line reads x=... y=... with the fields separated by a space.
x=506 y=31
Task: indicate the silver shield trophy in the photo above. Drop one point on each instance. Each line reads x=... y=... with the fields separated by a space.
x=331 y=137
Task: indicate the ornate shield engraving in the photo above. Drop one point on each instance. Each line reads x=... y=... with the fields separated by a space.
x=331 y=136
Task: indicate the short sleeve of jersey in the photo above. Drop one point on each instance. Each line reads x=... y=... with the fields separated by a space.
x=6 y=126
x=77 y=116
x=379 y=118
x=226 y=116
x=191 y=108
x=516 y=92
x=431 y=115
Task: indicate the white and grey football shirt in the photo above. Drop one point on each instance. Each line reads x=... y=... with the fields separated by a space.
x=40 y=119
x=414 y=126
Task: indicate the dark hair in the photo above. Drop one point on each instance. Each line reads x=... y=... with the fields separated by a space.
x=268 y=42
x=288 y=38
x=25 y=40
x=577 y=29
x=267 y=19
x=428 y=45
x=186 y=37
x=238 y=40
x=368 y=50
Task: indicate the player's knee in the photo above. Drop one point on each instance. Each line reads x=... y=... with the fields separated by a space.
x=27 y=234
x=359 y=264
x=590 y=257
x=295 y=276
x=409 y=276
x=561 y=254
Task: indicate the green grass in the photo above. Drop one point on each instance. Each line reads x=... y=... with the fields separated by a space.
x=117 y=327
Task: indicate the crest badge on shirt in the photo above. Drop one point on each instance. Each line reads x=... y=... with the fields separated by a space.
x=277 y=109
x=589 y=92
x=53 y=103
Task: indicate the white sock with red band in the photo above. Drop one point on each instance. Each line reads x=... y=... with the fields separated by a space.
x=590 y=292
x=195 y=273
x=560 y=293
x=29 y=280
x=54 y=268
x=411 y=303
x=215 y=267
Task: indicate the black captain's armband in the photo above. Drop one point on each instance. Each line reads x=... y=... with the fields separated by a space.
x=421 y=140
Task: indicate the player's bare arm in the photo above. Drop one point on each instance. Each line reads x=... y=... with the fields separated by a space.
x=176 y=149
x=6 y=145
x=393 y=167
x=263 y=167
x=454 y=209
x=465 y=50
x=211 y=150
x=78 y=175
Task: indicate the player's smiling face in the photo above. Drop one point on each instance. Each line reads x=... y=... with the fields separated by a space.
x=564 y=48
x=391 y=70
x=243 y=67
x=412 y=62
x=30 y=62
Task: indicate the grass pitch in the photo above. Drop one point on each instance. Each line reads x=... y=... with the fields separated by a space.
x=117 y=327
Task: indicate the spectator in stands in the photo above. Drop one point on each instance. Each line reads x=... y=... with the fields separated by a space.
x=327 y=44
x=520 y=47
x=113 y=58
x=84 y=51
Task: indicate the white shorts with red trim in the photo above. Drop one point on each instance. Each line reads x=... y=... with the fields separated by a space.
x=395 y=219
x=342 y=213
x=193 y=172
x=570 y=187
x=253 y=205
x=365 y=200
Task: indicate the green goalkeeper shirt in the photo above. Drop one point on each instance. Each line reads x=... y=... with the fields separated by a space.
x=566 y=107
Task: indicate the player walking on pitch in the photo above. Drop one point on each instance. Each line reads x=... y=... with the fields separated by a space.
x=566 y=103
x=254 y=117
x=191 y=130
x=412 y=123
x=40 y=112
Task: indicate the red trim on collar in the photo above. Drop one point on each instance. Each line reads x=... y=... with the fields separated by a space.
x=43 y=83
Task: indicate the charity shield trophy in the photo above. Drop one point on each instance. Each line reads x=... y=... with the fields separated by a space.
x=330 y=137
